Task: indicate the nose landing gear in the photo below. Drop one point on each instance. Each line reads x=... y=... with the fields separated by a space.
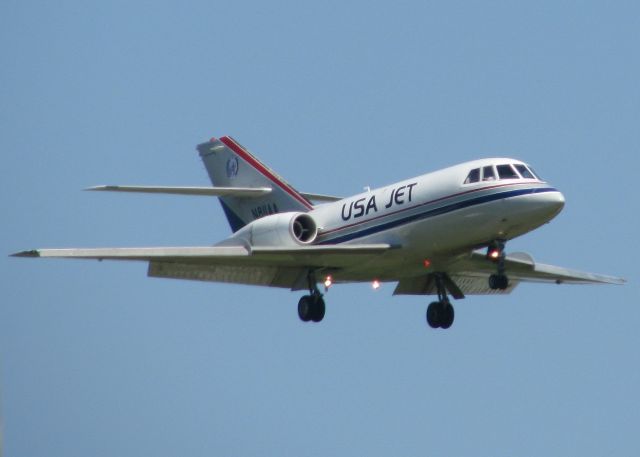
x=495 y=253
x=498 y=282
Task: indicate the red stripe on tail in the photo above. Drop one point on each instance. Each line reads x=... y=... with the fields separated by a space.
x=247 y=157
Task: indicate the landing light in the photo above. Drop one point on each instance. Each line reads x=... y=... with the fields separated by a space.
x=494 y=254
x=328 y=281
x=375 y=284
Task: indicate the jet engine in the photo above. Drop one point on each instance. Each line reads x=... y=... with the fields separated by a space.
x=283 y=229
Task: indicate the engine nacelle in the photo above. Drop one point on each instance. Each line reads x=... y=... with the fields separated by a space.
x=284 y=229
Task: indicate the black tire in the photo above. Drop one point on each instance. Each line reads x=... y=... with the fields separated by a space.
x=448 y=315
x=434 y=314
x=305 y=308
x=498 y=282
x=318 y=309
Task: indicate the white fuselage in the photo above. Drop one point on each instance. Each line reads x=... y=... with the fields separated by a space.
x=439 y=213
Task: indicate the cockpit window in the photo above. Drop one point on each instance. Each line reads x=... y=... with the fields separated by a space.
x=488 y=174
x=524 y=171
x=474 y=176
x=507 y=172
x=533 y=172
x=503 y=171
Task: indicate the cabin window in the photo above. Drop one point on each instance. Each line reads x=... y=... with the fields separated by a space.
x=488 y=174
x=474 y=176
x=507 y=172
x=524 y=171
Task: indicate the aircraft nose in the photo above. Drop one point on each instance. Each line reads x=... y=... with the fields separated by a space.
x=553 y=201
x=556 y=200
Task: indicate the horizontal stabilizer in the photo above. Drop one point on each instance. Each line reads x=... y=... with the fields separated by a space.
x=320 y=197
x=246 y=192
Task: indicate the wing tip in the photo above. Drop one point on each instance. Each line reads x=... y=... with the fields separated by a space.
x=100 y=188
x=31 y=253
x=595 y=279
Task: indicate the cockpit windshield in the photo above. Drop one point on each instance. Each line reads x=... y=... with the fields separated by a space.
x=524 y=171
x=507 y=172
x=488 y=174
x=502 y=172
x=474 y=176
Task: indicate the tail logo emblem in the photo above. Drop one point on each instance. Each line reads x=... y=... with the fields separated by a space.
x=232 y=167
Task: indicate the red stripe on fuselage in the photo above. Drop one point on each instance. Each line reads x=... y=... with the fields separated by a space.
x=247 y=157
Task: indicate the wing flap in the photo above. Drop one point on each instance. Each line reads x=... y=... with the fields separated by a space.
x=465 y=285
x=271 y=276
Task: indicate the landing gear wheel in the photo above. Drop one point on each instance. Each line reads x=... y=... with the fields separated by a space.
x=498 y=282
x=440 y=314
x=433 y=315
x=311 y=308
x=305 y=308
x=318 y=309
x=448 y=316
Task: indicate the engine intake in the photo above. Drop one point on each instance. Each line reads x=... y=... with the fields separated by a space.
x=304 y=228
x=283 y=229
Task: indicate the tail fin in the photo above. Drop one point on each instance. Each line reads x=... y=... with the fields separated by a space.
x=231 y=165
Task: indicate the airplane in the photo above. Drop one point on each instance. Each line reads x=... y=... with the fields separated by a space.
x=443 y=233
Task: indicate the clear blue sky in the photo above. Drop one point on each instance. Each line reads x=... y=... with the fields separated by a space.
x=97 y=359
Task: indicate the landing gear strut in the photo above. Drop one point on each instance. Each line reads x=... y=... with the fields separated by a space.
x=440 y=314
x=311 y=307
x=495 y=253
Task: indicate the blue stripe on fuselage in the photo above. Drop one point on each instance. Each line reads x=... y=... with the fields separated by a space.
x=436 y=212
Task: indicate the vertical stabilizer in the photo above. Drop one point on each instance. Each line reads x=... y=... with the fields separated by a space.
x=231 y=165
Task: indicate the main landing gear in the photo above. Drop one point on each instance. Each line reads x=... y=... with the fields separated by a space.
x=311 y=307
x=495 y=253
x=440 y=314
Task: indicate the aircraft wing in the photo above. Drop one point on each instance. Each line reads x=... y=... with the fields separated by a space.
x=470 y=276
x=208 y=191
x=275 y=267
x=520 y=266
